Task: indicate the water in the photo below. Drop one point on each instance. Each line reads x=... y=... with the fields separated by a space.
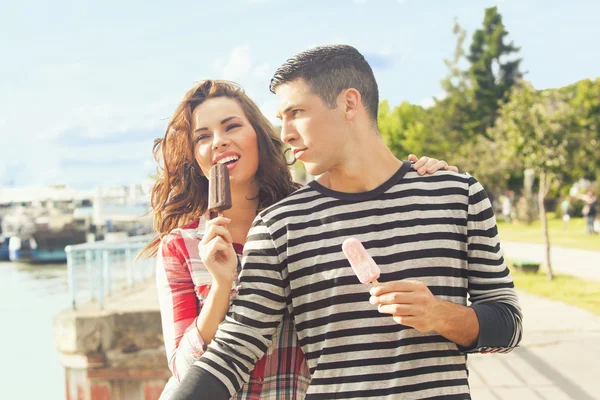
x=30 y=296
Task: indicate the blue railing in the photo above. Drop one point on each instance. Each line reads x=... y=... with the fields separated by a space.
x=102 y=269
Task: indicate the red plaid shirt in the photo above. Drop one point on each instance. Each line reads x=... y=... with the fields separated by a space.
x=183 y=283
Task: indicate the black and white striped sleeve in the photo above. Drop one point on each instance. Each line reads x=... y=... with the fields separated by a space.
x=246 y=333
x=491 y=289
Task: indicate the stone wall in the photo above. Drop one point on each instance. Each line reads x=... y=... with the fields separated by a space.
x=111 y=354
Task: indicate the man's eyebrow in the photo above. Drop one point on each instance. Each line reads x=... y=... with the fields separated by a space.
x=288 y=108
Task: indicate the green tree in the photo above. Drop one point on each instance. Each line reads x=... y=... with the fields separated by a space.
x=450 y=121
x=453 y=109
x=492 y=72
x=586 y=105
x=403 y=128
x=538 y=128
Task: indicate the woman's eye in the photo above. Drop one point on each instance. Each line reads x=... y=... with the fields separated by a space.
x=202 y=137
x=295 y=112
x=233 y=126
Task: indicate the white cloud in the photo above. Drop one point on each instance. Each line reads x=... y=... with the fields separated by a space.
x=237 y=66
x=262 y=71
x=430 y=101
x=269 y=110
x=242 y=68
x=84 y=145
x=102 y=120
x=86 y=142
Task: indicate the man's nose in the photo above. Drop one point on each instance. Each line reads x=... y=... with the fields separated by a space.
x=288 y=133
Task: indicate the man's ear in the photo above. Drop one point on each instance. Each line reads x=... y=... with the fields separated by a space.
x=351 y=101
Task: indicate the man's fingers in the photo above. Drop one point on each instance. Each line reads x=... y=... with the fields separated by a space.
x=407 y=320
x=405 y=285
x=396 y=309
x=392 y=298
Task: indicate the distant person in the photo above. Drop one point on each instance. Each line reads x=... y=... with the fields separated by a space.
x=565 y=208
x=506 y=208
x=590 y=210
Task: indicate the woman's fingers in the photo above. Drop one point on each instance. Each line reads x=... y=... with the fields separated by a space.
x=418 y=165
x=215 y=248
x=435 y=165
x=215 y=229
x=451 y=168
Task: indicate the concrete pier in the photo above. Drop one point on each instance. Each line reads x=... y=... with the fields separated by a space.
x=116 y=353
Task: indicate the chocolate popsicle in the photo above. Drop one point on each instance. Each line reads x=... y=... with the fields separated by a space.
x=219 y=192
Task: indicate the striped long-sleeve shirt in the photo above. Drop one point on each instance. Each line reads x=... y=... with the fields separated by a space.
x=439 y=229
x=183 y=284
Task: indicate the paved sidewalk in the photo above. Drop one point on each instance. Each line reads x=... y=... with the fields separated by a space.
x=559 y=357
x=576 y=262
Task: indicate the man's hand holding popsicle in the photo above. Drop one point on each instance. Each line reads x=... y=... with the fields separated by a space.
x=410 y=302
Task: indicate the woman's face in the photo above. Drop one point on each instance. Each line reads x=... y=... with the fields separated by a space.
x=221 y=133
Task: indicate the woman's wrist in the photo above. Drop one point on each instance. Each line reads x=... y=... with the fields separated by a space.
x=220 y=286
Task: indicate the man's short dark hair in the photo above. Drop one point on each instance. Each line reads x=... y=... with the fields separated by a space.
x=330 y=69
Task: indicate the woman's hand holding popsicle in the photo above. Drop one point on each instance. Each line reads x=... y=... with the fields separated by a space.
x=217 y=252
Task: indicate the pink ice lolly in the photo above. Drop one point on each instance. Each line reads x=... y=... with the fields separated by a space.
x=363 y=265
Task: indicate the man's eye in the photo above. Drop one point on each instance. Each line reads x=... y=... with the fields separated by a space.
x=295 y=112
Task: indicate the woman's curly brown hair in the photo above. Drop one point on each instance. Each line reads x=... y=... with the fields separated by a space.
x=180 y=193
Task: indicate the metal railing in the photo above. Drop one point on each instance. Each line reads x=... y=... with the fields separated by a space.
x=102 y=269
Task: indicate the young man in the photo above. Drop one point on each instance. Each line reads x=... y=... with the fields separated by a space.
x=434 y=238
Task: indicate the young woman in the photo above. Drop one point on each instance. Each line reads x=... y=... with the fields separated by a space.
x=217 y=123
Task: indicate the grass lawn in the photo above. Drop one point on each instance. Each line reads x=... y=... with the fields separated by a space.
x=574 y=236
x=568 y=289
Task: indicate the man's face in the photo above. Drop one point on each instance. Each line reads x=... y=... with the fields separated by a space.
x=314 y=131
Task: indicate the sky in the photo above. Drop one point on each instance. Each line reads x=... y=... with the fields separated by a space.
x=86 y=86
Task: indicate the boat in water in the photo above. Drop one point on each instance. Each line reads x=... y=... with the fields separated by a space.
x=36 y=226
x=34 y=236
x=44 y=246
x=4 y=239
